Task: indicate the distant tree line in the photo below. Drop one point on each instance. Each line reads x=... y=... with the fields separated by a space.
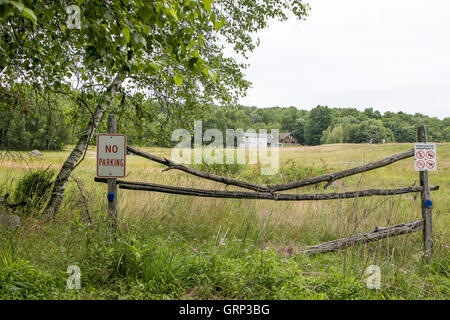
x=33 y=120
x=324 y=125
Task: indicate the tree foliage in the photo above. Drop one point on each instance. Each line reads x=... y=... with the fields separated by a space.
x=343 y=125
x=318 y=120
x=37 y=121
x=171 y=51
x=165 y=51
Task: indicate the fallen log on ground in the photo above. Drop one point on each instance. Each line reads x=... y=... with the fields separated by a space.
x=377 y=234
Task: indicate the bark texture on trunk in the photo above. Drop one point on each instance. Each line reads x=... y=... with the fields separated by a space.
x=69 y=165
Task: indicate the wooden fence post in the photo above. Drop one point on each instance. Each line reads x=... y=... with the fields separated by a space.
x=426 y=209
x=112 y=188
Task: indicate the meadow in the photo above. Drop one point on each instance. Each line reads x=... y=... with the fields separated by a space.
x=184 y=247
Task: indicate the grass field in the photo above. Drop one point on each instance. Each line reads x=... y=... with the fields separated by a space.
x=181 y=247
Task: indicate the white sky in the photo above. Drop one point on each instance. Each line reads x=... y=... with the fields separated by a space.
x=392 y=55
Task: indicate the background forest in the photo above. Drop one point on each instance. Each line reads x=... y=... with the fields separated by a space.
x=48 y=122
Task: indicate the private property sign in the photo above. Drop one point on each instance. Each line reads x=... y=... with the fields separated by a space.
x=425 y=156
x=111 y=155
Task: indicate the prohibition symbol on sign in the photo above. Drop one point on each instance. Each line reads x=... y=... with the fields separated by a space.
x=420 y=154
x=425 y=156
x=420 y=164
x=430 y=164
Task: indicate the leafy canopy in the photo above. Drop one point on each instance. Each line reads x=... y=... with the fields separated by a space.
x=171 y=51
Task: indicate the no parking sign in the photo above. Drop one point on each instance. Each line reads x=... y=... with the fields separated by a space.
x=425 y=156
x=111 y=155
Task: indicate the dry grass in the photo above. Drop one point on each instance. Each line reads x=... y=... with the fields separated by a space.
x=282 y=226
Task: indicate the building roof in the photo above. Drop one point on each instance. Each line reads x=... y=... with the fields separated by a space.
x=284 y=135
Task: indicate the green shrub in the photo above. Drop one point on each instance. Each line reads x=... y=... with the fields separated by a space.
x=289 y=171
x=21 y=280
x=221 y=169
x=294 y=171
x=34 y=187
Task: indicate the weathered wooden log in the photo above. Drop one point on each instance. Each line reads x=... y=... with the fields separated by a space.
x=174 y=165
x=267 y=195
x=112 y=188
x=144 y=186
x=330 y=177
x=377 y=234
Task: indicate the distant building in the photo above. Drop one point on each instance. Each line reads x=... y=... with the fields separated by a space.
x=287 y=138
x=254 y=140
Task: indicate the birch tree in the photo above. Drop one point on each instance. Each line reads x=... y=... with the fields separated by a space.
x=171 y=51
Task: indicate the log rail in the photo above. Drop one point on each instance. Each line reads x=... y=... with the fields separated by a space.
x=270 y=193
x=145 y=186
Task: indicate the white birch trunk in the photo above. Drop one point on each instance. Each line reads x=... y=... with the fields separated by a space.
x=69 y=165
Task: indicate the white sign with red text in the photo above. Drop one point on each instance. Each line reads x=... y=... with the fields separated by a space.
x=425 y=156
x=111 y=155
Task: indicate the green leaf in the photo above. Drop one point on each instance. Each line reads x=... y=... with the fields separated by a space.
x=126 y=33
x=212 y=75
x=207 y=4
x=173 y=14
x=219 y=24
x=212 y=18
x=17 y=4
x=178 y=80
x=28 y=13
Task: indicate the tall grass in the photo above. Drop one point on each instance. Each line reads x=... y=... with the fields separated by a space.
x=181 y=247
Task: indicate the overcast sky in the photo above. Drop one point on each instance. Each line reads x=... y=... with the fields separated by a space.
x=392 y=55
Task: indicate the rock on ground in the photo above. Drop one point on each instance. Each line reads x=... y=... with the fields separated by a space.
x=35 y=153
x=9 y=221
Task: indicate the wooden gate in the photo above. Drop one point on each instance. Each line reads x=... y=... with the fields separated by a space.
x=271 y=192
